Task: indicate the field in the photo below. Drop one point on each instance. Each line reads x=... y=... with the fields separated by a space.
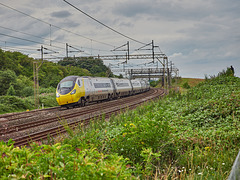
x=191 y=135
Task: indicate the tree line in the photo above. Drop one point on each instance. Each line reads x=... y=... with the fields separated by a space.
x=16 y=72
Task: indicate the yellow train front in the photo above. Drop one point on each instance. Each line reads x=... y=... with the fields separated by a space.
x=69 y=91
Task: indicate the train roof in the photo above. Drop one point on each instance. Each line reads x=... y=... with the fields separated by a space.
x=69 y=78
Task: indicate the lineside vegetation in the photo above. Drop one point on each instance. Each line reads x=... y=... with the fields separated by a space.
x=191 y=136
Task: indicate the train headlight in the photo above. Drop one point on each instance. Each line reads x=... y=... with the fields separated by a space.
x=74 y=91
x=57 y=95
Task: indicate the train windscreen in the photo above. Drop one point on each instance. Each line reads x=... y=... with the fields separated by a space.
x=66 y=85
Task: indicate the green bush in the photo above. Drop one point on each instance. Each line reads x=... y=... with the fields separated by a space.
x=27 y=91
x=7 y=78
x=11 y=91
x=48 y=101
x=60 y=162
x=186 y=85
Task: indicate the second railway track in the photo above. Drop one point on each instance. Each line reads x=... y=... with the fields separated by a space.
x=37 y=125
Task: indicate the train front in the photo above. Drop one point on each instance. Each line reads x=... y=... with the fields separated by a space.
x=66 y=92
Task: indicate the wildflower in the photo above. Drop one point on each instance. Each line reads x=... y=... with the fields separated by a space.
x=124 y=134
x=223 y=163
x=132 y=125
x=207 y=148
x=200 y=173
x=128 y=166
x=125 y=124
x=78 y=150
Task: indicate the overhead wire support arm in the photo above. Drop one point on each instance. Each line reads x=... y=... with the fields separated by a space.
x=67 y=51
x=152 y=49
x=141 y=48
x=118 y=49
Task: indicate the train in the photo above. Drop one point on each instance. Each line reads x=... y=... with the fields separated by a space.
x=81 y=90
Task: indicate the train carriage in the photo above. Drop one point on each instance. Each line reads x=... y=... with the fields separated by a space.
x=123 y=87
x=137 y=87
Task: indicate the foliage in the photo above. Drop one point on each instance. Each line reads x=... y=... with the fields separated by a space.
x=11 y=91
x=13 y=103
x=154 y=83
x=195 y=135
x=7 y=78
x=186 y=85
x=59 y=162
x=94 y=66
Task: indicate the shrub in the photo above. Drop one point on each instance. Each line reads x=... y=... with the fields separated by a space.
x=27 y=91
x=11 y=91
x=186 y=85
x=60 y=161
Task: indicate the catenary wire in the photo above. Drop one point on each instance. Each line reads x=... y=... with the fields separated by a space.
x=55 y=25
x=103 y=23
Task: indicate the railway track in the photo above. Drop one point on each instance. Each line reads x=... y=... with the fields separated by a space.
x=38 y=125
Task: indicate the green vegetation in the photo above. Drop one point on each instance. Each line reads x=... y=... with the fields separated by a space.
x=194 y=135
x=94 y=66
x=16 y=78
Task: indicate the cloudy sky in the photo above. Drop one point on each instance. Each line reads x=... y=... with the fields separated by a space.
x=201 y=37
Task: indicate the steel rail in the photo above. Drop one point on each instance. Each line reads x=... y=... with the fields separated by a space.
x=108 y=110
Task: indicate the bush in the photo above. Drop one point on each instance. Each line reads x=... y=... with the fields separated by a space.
x=48 y=101
x=60 y=162
x=27 y=91
x=11 y=91
x=7 y=78
x=186 y=85
x=13 y=103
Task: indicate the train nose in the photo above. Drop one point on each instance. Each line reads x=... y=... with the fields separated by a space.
x=65 y=99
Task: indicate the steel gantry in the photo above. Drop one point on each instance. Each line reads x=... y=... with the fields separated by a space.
x=166 y=72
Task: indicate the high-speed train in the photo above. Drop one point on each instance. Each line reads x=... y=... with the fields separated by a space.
x=77 y=91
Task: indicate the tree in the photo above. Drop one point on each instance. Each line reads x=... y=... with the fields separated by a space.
x=7 y=78
x=11 y=91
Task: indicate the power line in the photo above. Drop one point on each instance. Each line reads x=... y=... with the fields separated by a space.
x=46 y=39
x=54 y=25
x=23 y=39
x=103 y=23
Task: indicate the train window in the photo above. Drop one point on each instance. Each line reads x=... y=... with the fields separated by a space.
x=66 y=84
x=102 y=85
x=78 y=82
x=122 y=84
